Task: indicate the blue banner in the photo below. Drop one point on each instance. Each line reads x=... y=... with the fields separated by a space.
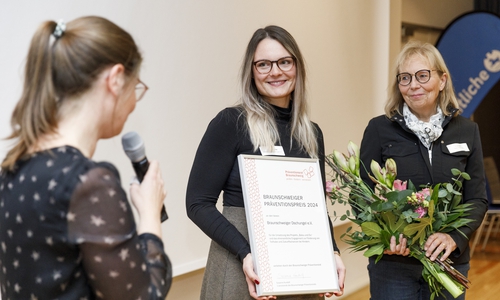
x=470 y=46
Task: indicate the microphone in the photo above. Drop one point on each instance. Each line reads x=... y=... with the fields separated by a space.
x=136 y=152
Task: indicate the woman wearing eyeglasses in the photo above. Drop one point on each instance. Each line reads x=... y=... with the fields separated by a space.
x=66 y=228
x=425 y=135
x=271 y=119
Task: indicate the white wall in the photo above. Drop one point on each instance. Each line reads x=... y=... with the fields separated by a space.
x=432 y=13
x=193 y=51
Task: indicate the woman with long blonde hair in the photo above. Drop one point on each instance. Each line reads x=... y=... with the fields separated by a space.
x=271 y=119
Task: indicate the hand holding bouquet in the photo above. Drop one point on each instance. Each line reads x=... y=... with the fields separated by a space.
x=393 y=208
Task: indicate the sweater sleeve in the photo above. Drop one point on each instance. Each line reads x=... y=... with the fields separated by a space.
x=321 y=156
x=119 y=263
x=370 y=149
x=214 y=160
x=474 y=192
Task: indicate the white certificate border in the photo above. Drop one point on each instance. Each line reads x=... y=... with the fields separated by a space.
x=256 y=226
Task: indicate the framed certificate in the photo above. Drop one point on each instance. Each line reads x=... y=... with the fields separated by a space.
x=288 y=225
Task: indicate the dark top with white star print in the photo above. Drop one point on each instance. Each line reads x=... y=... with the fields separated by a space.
x=67 y=231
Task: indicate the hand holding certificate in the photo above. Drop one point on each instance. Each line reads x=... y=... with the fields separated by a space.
x=288 y=225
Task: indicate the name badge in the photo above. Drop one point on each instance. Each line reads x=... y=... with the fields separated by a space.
x=457 y=147
x=278 y=150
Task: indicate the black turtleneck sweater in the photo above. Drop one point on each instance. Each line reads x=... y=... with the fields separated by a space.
x=215 y=169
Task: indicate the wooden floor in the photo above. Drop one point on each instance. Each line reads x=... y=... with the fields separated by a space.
x=484 y=274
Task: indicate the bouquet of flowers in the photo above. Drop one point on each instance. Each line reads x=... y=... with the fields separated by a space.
x=394 y=207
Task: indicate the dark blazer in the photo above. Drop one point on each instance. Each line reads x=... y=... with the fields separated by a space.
x=390 y=138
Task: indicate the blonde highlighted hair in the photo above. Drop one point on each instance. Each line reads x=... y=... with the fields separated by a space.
x=446 y=100
x=259 y=113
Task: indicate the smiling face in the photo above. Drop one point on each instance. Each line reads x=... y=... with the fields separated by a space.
x=276 y=86
x=421 y=98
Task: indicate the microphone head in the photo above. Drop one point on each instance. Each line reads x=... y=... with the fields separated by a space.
x=133 y=146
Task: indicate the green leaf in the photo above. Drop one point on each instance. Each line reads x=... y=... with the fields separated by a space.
x=442 y=193
x=449 y=187
x=371 y=229
x=455 y=172
x=400 y=225
x=389 y=219
x=375 y=250
x=369 y=242
x=410 y=186
x=385 y=238
x=417 y=230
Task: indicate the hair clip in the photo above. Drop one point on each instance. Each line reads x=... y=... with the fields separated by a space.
x=59 y=30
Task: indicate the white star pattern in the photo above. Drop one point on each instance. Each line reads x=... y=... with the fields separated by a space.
x=83 y=178
x=56 y=275
x=124 y=254
x=52 y=184
x=50 y=163
x=97 y=221
x=54 y=203
x=113 y=274
x=35 y=255
x=123 y=205
x=71 y=217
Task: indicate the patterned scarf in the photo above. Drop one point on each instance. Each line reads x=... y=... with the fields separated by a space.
x=427 y=132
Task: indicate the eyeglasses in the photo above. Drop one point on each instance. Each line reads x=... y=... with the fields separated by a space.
x=265 y=66
x=422 y=76
x=140 y=90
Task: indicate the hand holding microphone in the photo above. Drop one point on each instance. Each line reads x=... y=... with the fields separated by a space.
x=136 y=152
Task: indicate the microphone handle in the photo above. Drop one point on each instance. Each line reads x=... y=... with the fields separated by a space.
x=140 y=168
